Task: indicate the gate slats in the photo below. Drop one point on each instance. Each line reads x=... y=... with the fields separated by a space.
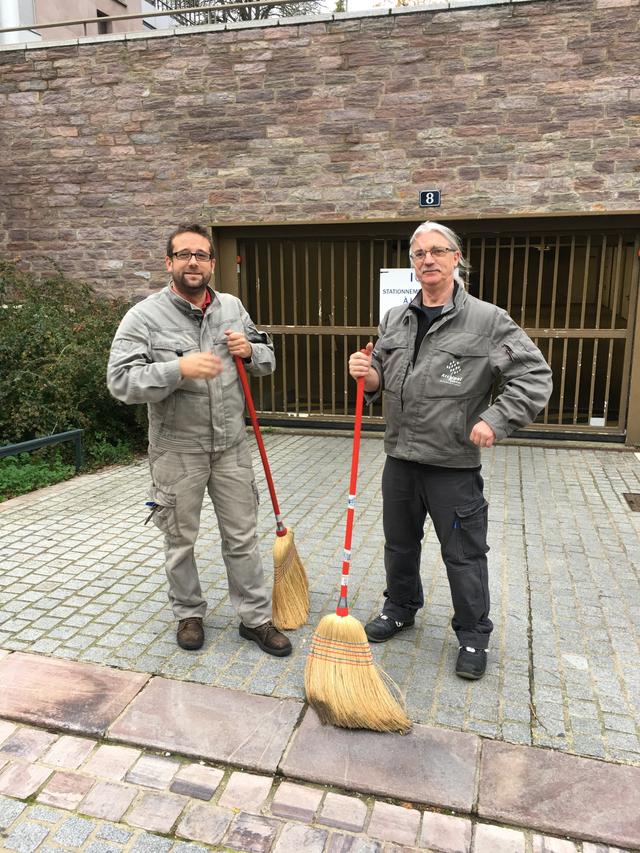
x=552 y=314
x=296 y=342
x=594 y=360
x=320 y=349
x=283 y=372
x=633 y=277
x=567 y=321
x=615 y=282
x=583 y=311
x=562 y=303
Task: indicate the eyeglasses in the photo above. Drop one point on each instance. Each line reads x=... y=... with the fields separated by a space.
x=184 y=255
x=434 y=251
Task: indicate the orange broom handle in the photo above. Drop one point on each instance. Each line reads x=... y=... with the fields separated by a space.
x=281 y=530
x=343 y=608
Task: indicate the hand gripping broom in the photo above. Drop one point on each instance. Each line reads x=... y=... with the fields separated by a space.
x=341 y=681
x=290 y=596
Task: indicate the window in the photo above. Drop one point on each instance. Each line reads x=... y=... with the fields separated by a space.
x=104 y=27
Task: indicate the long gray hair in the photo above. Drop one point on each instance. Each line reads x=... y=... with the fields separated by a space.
x=461 y=272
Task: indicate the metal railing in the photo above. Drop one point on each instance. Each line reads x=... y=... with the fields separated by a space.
x=144 y=15
x=74 y=435
x=179 y=12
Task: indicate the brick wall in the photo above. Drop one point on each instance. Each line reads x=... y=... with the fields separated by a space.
x=519 y=108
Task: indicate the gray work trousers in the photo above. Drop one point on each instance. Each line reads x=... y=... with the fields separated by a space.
x=179 y=481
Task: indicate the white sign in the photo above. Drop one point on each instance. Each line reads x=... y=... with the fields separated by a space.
x=397 y=287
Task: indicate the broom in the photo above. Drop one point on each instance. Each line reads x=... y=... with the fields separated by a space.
x=341 y=681
x=290 y=596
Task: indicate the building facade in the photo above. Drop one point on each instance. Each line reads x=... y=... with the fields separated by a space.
x=308 y=146
x=96 y=14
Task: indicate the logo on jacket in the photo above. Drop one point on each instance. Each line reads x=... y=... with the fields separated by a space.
x=452 y=373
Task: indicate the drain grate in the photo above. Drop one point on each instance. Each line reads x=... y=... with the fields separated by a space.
x=633 y=499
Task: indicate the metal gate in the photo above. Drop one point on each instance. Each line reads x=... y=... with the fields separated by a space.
x=573 y=291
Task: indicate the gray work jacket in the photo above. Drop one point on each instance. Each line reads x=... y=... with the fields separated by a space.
x=431 y=406
x=188 y=415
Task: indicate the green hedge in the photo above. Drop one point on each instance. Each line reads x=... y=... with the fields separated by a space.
x=55 y=336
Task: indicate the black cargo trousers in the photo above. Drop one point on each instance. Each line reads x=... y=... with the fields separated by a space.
x=454 y=499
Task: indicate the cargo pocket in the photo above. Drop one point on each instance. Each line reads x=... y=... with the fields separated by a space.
x=243 y=458
x=472 y=522
x=164 y=517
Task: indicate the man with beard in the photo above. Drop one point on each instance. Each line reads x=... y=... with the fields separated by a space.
x=175 y=352
x=438 y=361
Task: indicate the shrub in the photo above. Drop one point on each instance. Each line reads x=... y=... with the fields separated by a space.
x=55 y=337
x=29 y=471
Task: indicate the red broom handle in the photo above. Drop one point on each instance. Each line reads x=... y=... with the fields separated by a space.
x=281 y=530
x=343 y=609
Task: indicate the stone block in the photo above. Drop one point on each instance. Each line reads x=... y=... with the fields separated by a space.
x=65 y=790
x=295 y=838
x=498 y=839
x=343 y=812
x=111 y=762
x=68 y=752
x=394 y=823
x=204 y=823
x=27 y=744
x=252 y=833
x=56 y=693
x=444 y=833
x=156 y=812
x=210 y=722
x=22 y=780
x=197 y=781
x=296 y=802
x=428 y=765
x=153 y=771
x=560 y=794
x=108 y=800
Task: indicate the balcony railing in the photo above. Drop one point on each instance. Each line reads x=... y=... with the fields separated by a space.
x=209 y=15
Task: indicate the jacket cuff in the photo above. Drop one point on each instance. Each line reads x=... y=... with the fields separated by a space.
x=498 y=429
x=372 y=396
x=173 y=376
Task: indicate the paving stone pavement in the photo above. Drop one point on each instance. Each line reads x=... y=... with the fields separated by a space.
x=60 y=792
x=82 y=580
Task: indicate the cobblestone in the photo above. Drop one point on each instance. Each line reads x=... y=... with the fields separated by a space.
x=547 y=507
x=562 y=668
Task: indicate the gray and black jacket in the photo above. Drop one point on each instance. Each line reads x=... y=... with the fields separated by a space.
x=432 y=405
x=188 y=415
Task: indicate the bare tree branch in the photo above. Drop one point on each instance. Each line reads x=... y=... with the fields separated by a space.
x=250 y=13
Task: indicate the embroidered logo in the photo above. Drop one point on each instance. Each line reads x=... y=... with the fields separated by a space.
x=452 y=373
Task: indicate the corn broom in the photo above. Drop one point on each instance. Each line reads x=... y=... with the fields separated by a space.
x=341 y=680
x=290 y=596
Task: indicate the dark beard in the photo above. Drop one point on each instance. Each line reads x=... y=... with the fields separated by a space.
x=190 y=289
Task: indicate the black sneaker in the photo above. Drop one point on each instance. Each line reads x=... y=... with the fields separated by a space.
x=382 y=628
x=471 y=662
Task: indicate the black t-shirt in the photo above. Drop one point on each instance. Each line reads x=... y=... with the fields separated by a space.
x=427 y=314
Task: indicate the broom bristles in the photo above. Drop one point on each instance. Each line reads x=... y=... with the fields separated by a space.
x=290 y=596
x=343 y=684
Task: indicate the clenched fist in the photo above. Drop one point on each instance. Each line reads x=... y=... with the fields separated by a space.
x=238 y=344
x=482 y=435
x=200 y=365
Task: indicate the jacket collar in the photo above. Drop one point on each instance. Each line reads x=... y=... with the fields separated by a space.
x=458 y=298
x=184 y=305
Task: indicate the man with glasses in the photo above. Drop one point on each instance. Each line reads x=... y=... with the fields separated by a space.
x=175 y=351
x=437 y=361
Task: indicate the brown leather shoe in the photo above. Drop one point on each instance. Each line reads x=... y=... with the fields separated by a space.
x=267 y=636
x=190 y=633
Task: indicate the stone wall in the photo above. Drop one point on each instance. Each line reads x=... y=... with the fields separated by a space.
x=519 y=108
